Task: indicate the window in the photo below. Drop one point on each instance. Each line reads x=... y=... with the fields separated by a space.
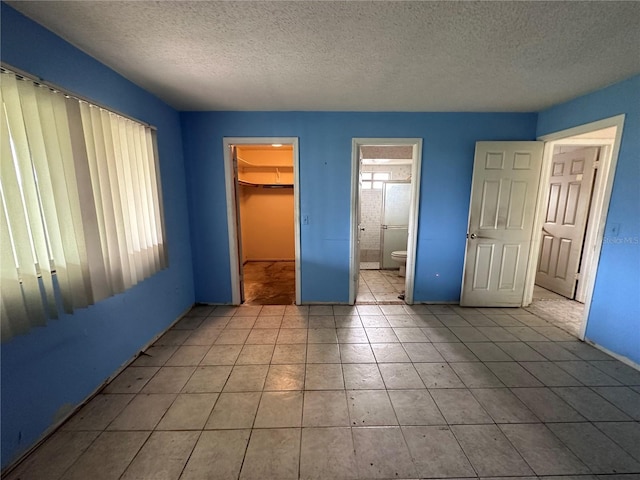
x=80 y=214
x=373 y=180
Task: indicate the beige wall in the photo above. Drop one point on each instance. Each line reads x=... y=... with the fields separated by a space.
x=267 y=223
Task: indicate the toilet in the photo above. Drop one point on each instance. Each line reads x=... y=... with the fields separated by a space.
x=400 y=257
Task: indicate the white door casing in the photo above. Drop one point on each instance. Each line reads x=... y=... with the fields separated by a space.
x=570 y=188
x=232 y=222
x=354 y=260
x=501 y=214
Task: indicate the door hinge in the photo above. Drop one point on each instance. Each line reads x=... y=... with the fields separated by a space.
x=577 y=276
x=596 y=164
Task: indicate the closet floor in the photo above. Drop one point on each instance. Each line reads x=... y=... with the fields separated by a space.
x=269 y=283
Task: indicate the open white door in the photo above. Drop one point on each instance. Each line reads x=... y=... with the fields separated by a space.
x=565 y=223
x=501 y=216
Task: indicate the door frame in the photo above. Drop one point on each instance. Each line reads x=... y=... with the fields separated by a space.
x=412 y=243
x=599 y=206
x=232 y=218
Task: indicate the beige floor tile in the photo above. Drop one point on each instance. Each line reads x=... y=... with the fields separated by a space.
x=362 y=376
x=255 y=355
x=438 y=375
x=381 y=452
x=107 y=457
x=272 y=454
x=289 y=354
x=322 y=335
x=234 y=411
x=223 y=448
x=292 y=336
x=54 y=456
x=246 y=378
x=279 y=409
x=356 y=353
x=169 y=380
x=131 y=380
x=222 y=355
x=327 y=376
x=489 y=451
x=208 y=379
x=98 y=413
x=325 y=409
x=188 y=355
x=389 y=353
x=163 y=456
x=415 y=407
x=327 y=453
x=370 y=407
x=233 y=336
x=155 y=356
x=436 y=453
x=400 y=376
x=263 y=336
x=323 y=353
x=285 y=377
x=143 y=412
x=189 y=411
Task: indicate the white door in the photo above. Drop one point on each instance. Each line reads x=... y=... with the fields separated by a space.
x=570 y=189
x=503 y=199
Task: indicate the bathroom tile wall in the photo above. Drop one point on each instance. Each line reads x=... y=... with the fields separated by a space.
x=371 y=211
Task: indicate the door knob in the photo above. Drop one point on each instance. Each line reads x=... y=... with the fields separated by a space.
x=362 y=229
x=473 y=236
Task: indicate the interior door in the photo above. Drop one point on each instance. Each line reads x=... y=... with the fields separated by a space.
x=503 y=197
x=570 y=188
x=396 y=203
x=234 y=159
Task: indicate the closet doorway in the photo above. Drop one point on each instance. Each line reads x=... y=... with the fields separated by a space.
x=262 y=212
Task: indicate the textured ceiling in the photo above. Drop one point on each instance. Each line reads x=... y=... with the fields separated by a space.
x=357 y=55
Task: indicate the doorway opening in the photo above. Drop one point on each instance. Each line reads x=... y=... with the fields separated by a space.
x=262 y=216
x=385 y=188
x=576 y=182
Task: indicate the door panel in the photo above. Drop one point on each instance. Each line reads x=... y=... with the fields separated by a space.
x=570 y=189
x=396 y=203
x=503 y=195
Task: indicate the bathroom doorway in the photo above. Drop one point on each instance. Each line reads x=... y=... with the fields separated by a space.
x=262 y=214
x=385 y=183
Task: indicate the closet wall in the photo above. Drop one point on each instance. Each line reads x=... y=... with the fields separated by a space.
x=266 y=214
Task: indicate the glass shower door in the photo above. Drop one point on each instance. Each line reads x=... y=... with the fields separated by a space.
x=396 y=202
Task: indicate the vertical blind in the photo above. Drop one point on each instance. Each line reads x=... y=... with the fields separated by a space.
x=81 y=208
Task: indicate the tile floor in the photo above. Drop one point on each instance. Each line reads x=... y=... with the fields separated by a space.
x=380 y=287
x=556 y=309
x=372 y=391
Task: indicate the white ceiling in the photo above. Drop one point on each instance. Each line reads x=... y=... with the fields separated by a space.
x=355 y=55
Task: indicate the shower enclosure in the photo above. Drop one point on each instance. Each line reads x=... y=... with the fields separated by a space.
x=394 y=228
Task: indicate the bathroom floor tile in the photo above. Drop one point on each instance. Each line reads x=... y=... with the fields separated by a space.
x=415 y=407
x=370 y=407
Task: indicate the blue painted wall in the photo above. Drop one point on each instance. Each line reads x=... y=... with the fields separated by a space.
x=614 y=318
x=51 y=369
x=325 y=171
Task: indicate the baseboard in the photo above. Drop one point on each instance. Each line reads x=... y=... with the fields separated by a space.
x=622 y=358
x=54 y=428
